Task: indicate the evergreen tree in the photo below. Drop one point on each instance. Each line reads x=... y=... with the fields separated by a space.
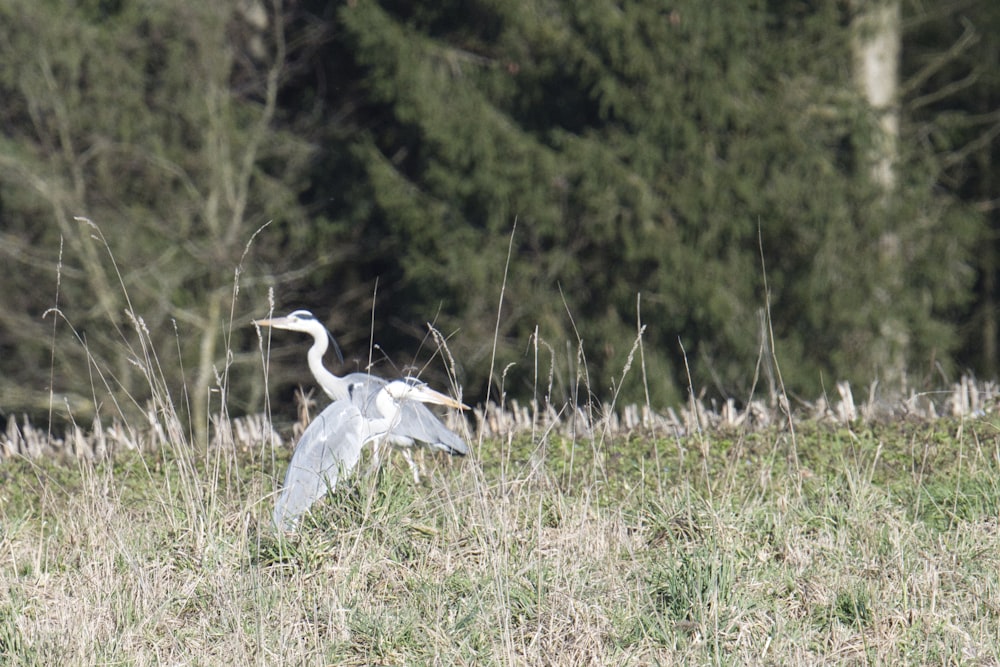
x=651 y=156
x=642 y=150
x=952 y=78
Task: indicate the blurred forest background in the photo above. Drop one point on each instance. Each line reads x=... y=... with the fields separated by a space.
x=656 y=156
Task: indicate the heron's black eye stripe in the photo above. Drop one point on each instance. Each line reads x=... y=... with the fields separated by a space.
x=303 y=315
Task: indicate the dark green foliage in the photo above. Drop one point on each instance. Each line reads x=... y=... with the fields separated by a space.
x=654 y=158
x=954 y=67
x=642 y=151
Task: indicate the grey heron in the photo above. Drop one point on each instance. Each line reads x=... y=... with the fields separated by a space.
x=331 y=445
x=416 y=423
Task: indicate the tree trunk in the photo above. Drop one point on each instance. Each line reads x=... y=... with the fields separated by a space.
x=876 y=43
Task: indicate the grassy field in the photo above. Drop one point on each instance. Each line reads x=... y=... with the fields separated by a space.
x=876 y=544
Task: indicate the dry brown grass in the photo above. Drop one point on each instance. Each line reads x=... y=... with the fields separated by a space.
x=711 y=534
x=889 y=554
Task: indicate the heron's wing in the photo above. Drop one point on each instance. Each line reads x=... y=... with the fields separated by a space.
x=371 y=384
x=329 y=448
x=416 y=421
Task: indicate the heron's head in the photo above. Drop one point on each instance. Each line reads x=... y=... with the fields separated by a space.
x=306 y=322
x=298 y=320
x=411 y=389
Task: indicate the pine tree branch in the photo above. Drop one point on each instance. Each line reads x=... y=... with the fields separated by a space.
x=968 y=37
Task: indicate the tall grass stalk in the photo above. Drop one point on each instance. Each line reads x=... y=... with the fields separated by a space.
x=553 y=545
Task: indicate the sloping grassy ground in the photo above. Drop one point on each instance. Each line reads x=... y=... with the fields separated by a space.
x=872 y=545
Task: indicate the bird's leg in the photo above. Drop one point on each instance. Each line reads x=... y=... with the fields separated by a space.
x=413 y=464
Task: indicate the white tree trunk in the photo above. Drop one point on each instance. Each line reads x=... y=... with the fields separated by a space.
x=876 y=43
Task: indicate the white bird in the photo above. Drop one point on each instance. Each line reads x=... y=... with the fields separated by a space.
x=416 y=423
x=331 y=445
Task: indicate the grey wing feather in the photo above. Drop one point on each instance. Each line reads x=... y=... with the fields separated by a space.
x=366 y=378
x=329 y=448
x=416 y=421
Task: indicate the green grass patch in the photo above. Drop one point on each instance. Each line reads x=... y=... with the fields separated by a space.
x=876 y=545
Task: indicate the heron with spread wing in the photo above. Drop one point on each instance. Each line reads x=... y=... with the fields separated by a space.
x=416 y=423
x=331 y=445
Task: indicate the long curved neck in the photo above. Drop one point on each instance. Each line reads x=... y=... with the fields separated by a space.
x=335 y=387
